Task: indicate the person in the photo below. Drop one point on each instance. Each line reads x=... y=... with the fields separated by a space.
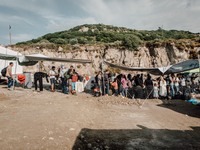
x=142 y=77
x=168 y=82
x=115 y=86
x=38 y=78
x=138 y=80
x=182 y=83
x=42 y=67
x=172 y=91
x=63 y=70
x=193 y=84
x=149 y=86
x=74 y=80
x=155 y=91
x=124 y=86
x=176 y=84
x=106 y=79
x=112 y=78
x=52 y=74
x=98 y=78
x=163 y=89
x=130 y=86
x=70 y=71
x=119 y=77
x=95 y=89
x=129 y=79
x=139 y=93
x=9 y=75
x=69 y=80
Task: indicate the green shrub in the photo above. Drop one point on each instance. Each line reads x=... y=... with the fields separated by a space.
x=73 y=41
x=119 y=36
x=131 y=42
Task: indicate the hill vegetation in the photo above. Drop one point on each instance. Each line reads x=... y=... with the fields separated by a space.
x=116 y=36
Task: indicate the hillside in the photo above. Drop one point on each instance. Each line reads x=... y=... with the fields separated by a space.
x=116 y=36
x=115 y=44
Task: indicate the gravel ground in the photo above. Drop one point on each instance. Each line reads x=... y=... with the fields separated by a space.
x=45 y=120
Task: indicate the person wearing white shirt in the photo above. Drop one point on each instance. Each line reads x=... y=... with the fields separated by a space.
x=183 y=84
x=172 y=79
x=163 y=88
x=63 y=70
x=176 y=85
x=52 y=75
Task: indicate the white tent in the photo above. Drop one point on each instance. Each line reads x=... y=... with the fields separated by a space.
x=4 y=63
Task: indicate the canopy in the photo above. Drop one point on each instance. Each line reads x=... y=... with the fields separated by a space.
x=176 y=68
x=4 y=60
x=192 y=71
x=155 y=71
x=29 y=60
x=183 y=66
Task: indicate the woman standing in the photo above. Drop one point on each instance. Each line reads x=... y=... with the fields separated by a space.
x=149 y=86
x=124 y=86
x=163 y=88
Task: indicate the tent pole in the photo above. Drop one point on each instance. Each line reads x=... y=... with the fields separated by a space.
x=10 y=35
x=5 y=59
x=199 y=67
x=199 y=62
x=14 y=78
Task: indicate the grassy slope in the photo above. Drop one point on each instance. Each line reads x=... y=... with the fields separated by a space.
x=117 y=36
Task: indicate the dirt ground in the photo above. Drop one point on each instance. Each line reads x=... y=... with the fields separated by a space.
x=45 y=120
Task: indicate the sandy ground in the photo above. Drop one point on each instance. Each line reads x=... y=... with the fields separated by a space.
x=45 y=120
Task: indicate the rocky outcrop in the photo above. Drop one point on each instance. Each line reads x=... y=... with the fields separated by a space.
x=143 y=57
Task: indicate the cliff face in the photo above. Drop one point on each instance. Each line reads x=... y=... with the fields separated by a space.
x=144 y=57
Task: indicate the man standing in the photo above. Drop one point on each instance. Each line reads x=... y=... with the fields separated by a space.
x=9 y=75
x=64 y=79
x=38 y=77
x=52 y=74
x=70 y=73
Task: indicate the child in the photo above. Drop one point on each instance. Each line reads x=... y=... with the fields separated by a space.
x=74 y=80
x=115 y=86
x=155 y=91
x=95 y=88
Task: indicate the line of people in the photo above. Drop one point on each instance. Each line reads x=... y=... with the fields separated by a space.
x=66 y=78
x=137 y=86
x=143 y=86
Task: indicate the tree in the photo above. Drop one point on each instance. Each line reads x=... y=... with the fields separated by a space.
x=82 y=40
x=131 y=42
x=58 y=41
x=73 y=41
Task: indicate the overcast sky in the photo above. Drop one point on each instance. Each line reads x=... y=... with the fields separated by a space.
x=33 y=18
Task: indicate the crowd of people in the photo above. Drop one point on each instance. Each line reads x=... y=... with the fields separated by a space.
x=144 y=86
x=67 y=78
x=106 y=83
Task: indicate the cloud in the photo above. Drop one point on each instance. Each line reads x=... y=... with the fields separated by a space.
x=36 y=17
x=56 y=23
x=145 y=14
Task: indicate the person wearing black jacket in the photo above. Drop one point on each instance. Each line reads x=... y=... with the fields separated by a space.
x=139 y=93
x=98 y=78
x=119 y=77
x=38 y=78
x=149 y=86
x=138 y=80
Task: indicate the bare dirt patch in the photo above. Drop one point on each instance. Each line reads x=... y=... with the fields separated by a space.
x=46 y=120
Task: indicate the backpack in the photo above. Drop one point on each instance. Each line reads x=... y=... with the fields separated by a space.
x=3 y=72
